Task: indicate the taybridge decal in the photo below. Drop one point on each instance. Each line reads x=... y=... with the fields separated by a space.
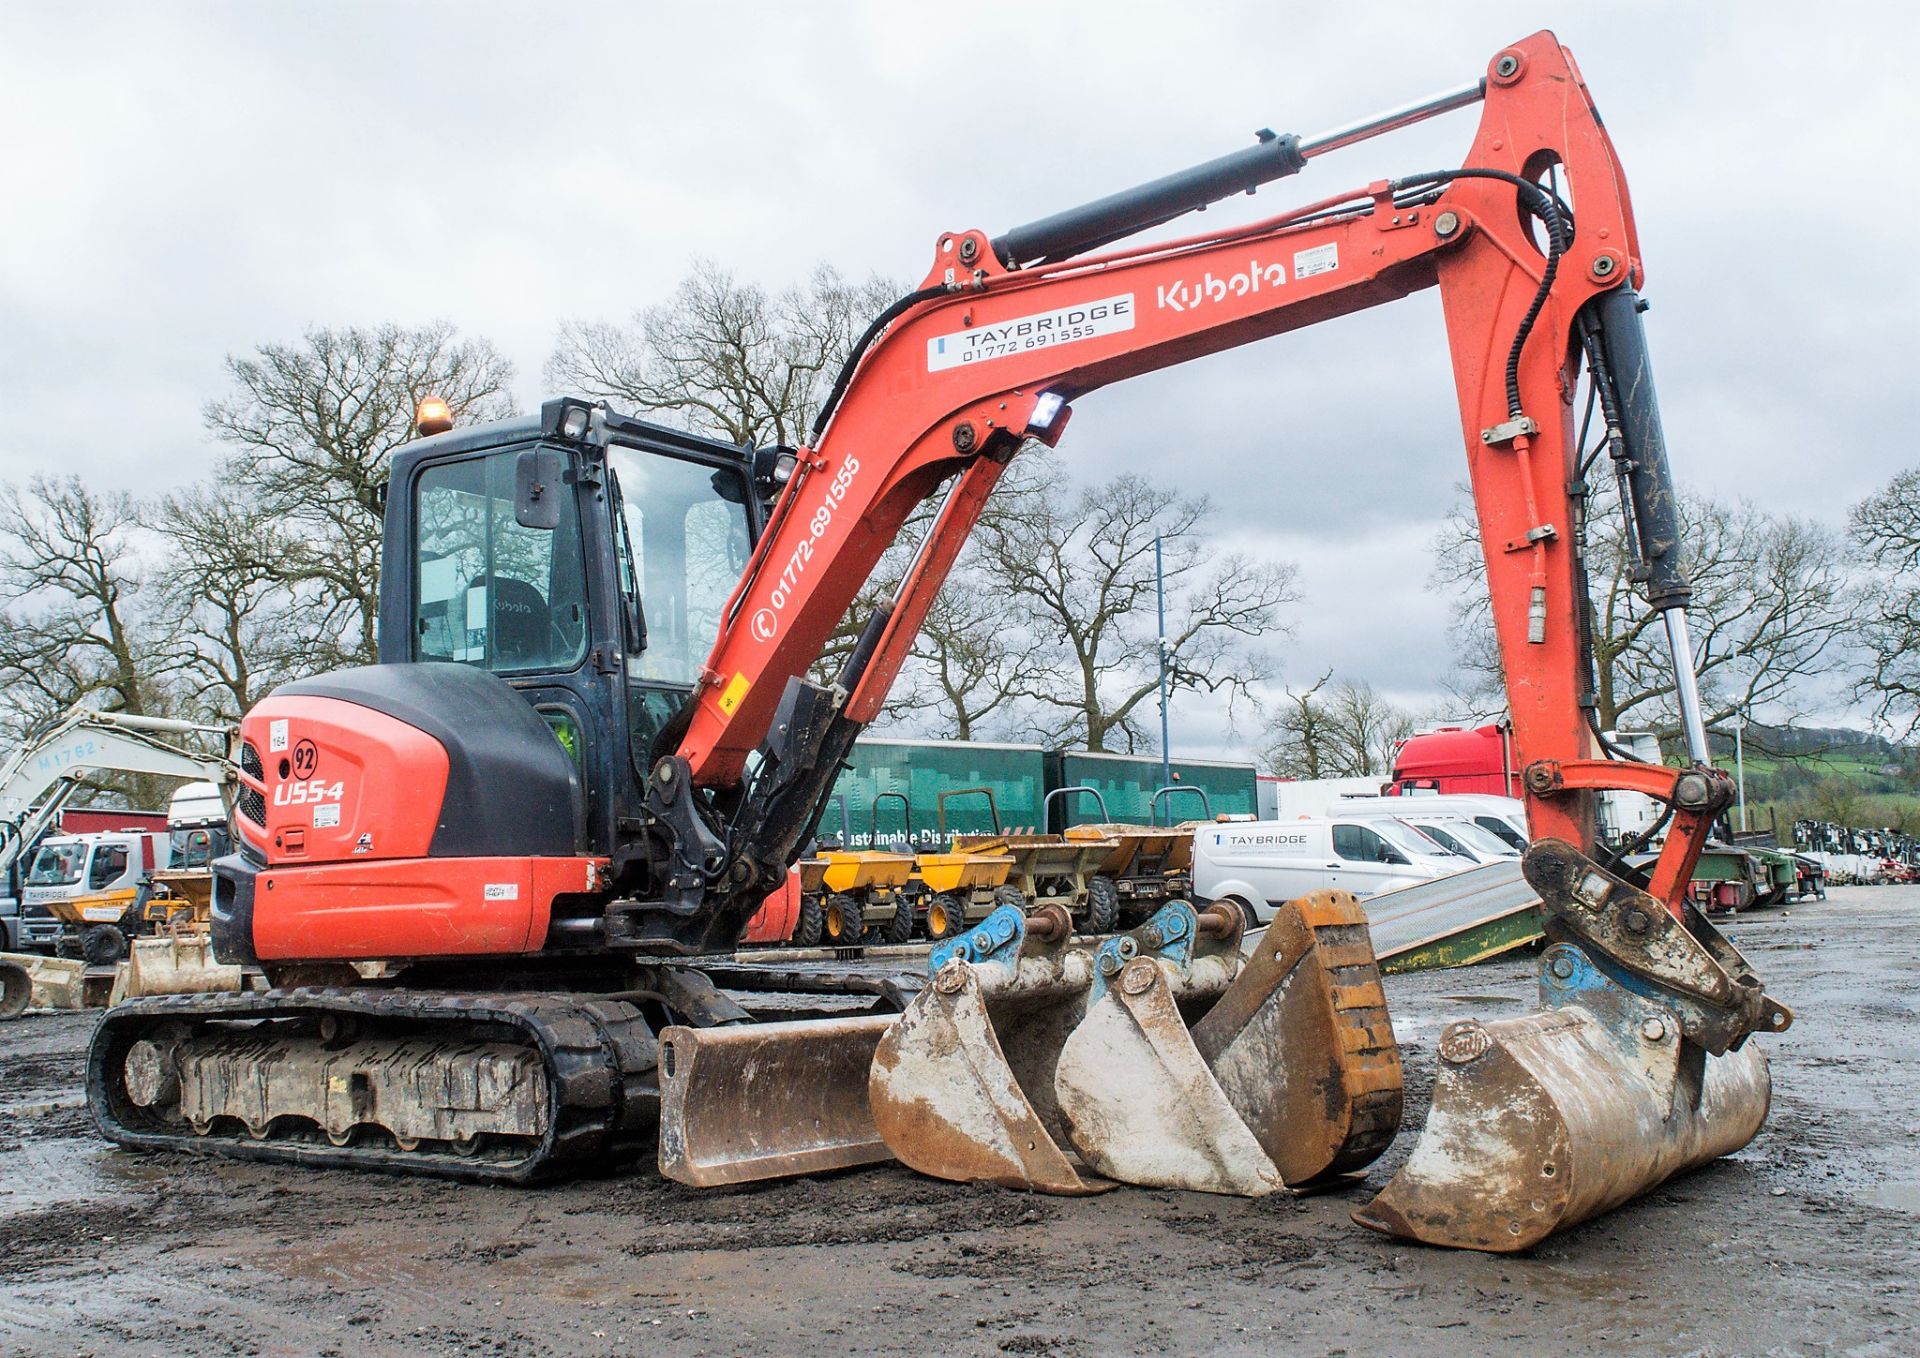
x=1023 y=334
x=1208 y=288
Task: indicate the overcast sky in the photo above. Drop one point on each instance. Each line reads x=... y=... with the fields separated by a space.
x=186 y=181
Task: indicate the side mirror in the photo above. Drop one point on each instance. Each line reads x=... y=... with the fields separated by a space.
x=539 y=485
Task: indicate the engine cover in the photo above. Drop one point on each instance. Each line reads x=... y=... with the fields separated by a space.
x=405 y=761
x=398 y=810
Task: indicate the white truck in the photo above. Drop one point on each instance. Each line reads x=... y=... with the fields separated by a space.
x=109 y=869
x=40 y=778
x=1260 y=864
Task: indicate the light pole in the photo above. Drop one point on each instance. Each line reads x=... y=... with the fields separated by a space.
x=1160 y=589
x=1740 y=763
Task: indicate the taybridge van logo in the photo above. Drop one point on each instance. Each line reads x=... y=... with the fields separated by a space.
x=1210 y=287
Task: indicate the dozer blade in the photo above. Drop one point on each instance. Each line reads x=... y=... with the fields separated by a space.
x=1638 y=1068
x=947 y=1101
x=1141 y=1104
x=764 y=1100
x=1302 y=1045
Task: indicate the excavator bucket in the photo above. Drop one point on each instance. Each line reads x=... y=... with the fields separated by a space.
x=53 y=982
x=944 y=1091
x=1637 y=1068
x=947 y=1102
x=1302 y=1044
x=1038 y=1065
x=1140 y=1101
x=180 y=964
x=16 y=988
x=764 y=1100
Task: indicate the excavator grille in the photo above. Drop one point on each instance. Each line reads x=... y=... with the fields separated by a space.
x=252 y=805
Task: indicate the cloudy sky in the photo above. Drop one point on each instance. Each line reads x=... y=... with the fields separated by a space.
x=184 y=181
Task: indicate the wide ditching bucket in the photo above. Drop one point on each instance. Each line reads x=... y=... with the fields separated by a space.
x=1637 y=1067
x=1156 y=1058
x=752 y=1101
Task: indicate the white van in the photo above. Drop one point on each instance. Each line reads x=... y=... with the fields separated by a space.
x=1260 y=864
x=1460 y=835
x=1504 y=816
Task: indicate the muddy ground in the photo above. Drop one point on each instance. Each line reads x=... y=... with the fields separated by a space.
x=1807 y=1242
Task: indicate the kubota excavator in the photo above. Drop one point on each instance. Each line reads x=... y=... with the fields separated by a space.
x=498 y=878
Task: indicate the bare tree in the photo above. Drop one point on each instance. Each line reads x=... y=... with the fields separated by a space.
x=239 y=626
x=725 y=358
x=1296 y=745
x=1351 y=732
x=1771 y=608
x=73 y=622
x=314 y=426
x=1885 y=530
x=1083 y=566
x=70 y=583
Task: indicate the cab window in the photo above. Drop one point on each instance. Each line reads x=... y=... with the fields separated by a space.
x=108 y=866
x=58 y=865
x=1358 y=844
x=684 y=542
x=1503 y=830
x=489 y=591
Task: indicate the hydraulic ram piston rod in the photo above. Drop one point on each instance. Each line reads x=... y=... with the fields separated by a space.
x=1393 y=120
x=1108 y=219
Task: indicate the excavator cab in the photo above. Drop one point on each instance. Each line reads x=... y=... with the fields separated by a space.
x=550 y=587
x=584 y=558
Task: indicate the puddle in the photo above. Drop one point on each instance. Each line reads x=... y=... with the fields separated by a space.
x=1896 y=1197
x=63 y=1172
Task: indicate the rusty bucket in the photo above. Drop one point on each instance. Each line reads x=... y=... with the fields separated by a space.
x=1043 y=1066
x=754 y=1101
x=1636 y=1068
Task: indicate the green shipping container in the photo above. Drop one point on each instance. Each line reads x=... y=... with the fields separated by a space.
x=887 y=778
x=863 y=809
x=1128 y=781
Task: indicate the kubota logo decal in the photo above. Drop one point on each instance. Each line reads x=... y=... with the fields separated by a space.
x=1207 y=288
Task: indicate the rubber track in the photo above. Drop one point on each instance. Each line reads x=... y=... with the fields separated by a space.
x=599 y=1056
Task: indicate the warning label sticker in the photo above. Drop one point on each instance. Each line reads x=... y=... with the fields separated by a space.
x=326 y=814
x=1320 y=259
x=501 y=891
x=1022 y=334
x=731 y=695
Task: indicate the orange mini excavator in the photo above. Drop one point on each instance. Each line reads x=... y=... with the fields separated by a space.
x=497 y=880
